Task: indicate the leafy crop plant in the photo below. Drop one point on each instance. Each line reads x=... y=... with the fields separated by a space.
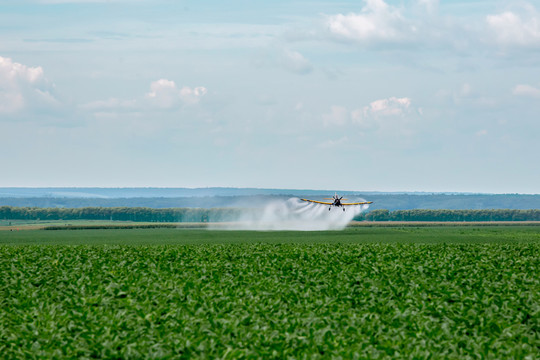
x=271 y=301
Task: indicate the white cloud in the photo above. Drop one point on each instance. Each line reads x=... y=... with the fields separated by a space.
x=24 y=88
x=377 y=22
x=526 y=90
x=192 y=95
x=163 y=95
x=392 y=106
x=382 y=114
x=392 y=116
x=511 y=29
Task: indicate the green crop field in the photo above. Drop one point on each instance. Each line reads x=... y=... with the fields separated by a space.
x=399 y=292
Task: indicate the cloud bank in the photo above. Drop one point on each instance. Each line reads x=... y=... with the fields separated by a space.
x=421 y=23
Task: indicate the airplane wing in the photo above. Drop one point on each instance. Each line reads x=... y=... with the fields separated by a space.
x=358 y=203
x=317 y=202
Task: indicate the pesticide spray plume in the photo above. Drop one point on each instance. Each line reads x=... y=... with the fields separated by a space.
x=294 y=214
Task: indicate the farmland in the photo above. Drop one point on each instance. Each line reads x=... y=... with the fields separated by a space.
x=365 y=292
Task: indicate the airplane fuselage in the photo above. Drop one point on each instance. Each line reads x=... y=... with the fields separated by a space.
x=337 y=202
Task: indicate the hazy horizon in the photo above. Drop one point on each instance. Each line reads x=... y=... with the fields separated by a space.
x=212 y=190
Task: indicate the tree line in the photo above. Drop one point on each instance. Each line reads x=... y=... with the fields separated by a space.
x=380 y=201
x=121 y=214
x=451 y=215
x=145 y=214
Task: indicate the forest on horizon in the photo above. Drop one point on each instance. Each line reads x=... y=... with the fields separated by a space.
x=380 y=201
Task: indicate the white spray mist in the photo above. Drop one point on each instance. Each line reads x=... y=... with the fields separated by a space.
x=295 y=214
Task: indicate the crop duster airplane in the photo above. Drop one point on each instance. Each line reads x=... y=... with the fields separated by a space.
x=337 y=202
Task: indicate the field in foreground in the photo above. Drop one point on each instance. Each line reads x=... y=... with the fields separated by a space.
x=459 y=292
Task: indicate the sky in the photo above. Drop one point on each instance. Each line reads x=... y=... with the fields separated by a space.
x=370 y=95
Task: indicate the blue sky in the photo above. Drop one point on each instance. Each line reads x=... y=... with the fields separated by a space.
x=357 y=95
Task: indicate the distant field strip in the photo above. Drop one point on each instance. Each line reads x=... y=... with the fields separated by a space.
x=356 y=235
x=272 y=300
x=94 y=225
x=444 y=223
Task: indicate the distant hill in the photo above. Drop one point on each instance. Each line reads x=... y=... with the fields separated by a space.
x=250 y=197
